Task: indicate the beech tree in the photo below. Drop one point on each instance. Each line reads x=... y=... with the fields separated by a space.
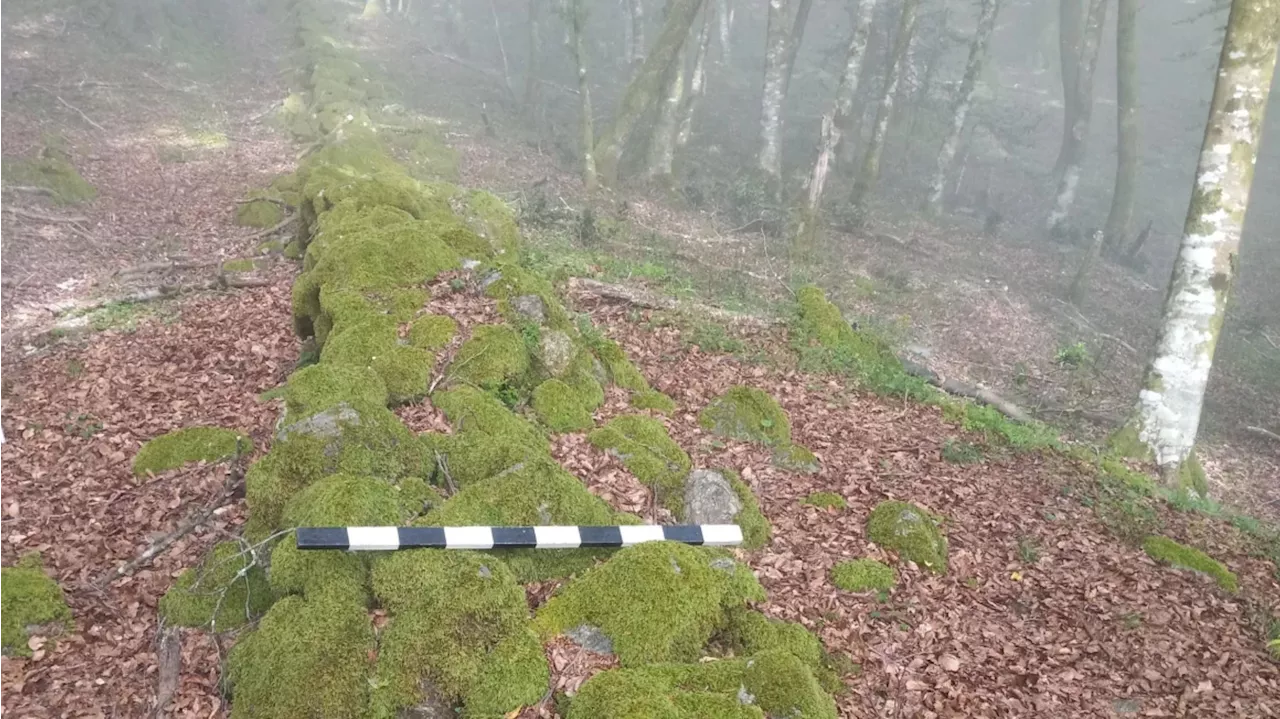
x=662 y=138
x=1071 y=21
x=1167 y=416
x=870 y=170
x=786 y=20
x=807 y=223
x=577 y=22
x=1073 y=149
x=964 y=99
x=1120 y=218
x=698 y=76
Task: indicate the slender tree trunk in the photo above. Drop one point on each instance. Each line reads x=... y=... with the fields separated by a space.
x=1120 y=219
x=636 y=17
x=372 y=9
x=1069 y=180
x=531 y=86
x=794 y=39
x=457 y=27
x=662 y=140
x=726 y=31
x=964 y=99
x=870 y=171
x=774 y=89
x=806 y=233
x=626 y=33
x=578 y=22
x=1080 y=283
x=643 y=91
x=1071 y=24
x=698 y=79
x=1167 y=417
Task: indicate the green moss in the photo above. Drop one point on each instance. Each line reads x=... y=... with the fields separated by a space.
x=306 y=658
x=225 y=592
x=861 y=575
x=621 y=372
x=796 y=458
x=1163 y=549
x=684 y=601
x=293 y=250
x=536 y=492
x=259 y=213
x=458 y=621
x=654 y=400
x=322 y=386
x=643 y=445
x=748 y=414
x=375 y=343
x=192 y=444
x=493 y=356
x=825 y=500
x=561 y=408
x=239 y=265
x=755 y=527
x=1126 y=444
x=995 y=427
x=30 y=598
x=51 y=171
x=432 y=332
x=488 y=438
x=750 y=632
x=406 y=254
x=911 y=532
x=491 y=219
x=1191 y=476
x=431 y=159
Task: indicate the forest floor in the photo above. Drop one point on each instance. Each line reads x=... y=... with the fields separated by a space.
x=1044 y=611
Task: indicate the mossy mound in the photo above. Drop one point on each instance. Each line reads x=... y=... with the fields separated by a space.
x=1163 y=549
x=748 y=414
x=654 y=400
x=769 y=684
x=432 y=332
x=796 y=458
x=323 y=386
x=459 y=622
x=259 y=213
x=826 y=342
x=488 y=438
x=430 y=159
x=492 y=357
x=825 y=500
x=227 y=591
x=861 y=575
x=618 y=367
x=911 y=532
x=561 y=407
x=750 y=632
x=29 y=598
x=375 y=343
x=645 y=448
x=306 y=658
x=192 y=444
x=756 y=529
x=535 y=492
x=656 y=601
x=53 y=171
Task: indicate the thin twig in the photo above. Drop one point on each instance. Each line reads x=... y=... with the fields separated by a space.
x=1263 y=433
x=35 y=215
x=86 y=117
x=502 y=48
x=160 y=545
x=443 y=464
x=271 y=230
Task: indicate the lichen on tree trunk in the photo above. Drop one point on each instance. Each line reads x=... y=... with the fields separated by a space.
x=964 y=99
x=643 y=91
x=698 y=78
x=773 y=89
x=1120 y=218
x=1073 y=150
x=577 y=23
x=1167 y=417
x=870 y=171
x=663 y=137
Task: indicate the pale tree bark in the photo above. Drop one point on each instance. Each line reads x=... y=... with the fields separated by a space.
x=698 y=77
x=1080 y=283
x=1071 y=23
x=1167 y=417
x=578 y=22
x=870 y=171
x=635 y=16
x=663 y=137
x=806 y=231
x=1120 y=219
x=774 y=89
x=794 y=39
x=1069 y=180
x=531 y=86
x=726 y=30
x=964 y=100
x=644 y=89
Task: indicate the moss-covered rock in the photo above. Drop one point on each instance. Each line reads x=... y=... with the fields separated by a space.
x=30 y=599
x=537 y=491
x=323 y=386
x=796 y=458
x=654 y=400
x=495 y=355
x=755 y=527
x=492 y=220
x=827 y=342
x=488 y=438
x=375 y=343
x=562 y=408
x=432 y=332
x=308 y=657
x=1163 y=549
x=911 y=532
x=861 y=575
x=750 y=632
x=619 y=369
x=259 y=213
x=53 y=171
x=748 y=414
x=825 y=500
x=459 y=622
x=192 y=444
x=228 y=590
x=431 y=159
x=643 y=445
x=686 y=593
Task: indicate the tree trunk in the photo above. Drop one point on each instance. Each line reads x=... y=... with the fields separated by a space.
x=726 y=31
x=964 y=99
x=372 y=9
x=870 y=171
x=697 y=80
x=1069 y=180
x=1120 y=218
x=793 y=42
x=1080 y=282
x=578 y=22
x=1071 y=22
x=531 y=85
x=643 y=91
x=635 y=53
x=1168 y=412
x=663 y=137
x=806 y=231
x=774 y=89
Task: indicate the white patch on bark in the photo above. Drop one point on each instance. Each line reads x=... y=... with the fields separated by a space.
x=774 y=83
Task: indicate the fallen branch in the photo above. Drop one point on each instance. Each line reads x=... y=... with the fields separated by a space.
x=29 y=190
x=1263 y=433
x=272 y=230
x=641 y=297
x=169 y=661
x=163 y=543
x=175 y=263
x=964 y=389
x=81 y=112
x=43 y=217
x=159 y=293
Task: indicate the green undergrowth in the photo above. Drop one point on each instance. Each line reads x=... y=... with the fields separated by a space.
x=228 y=590
x=259 y=213
x=648 y=452
x=752 y=415
x=912 y=532
x=1167 y=551
x=51 y=170
x=750 y=632
x=825 y=500
x=861 y=575
x=193 y=444
x=32 y=602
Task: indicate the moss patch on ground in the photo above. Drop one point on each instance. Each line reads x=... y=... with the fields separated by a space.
x=28 y=598
x=561 y=407
x=192 y=444
x=756 y=529
x=488 y=438
x=259 y=213
x=1167 y=551
x=654 y=400
x=227 y=591
x=748 y=414
x=53 y=171
x=861 y=575
x=750 y=632
x=911 y=532
x=656 y=601
x=648 y=452
x=494 y=356
x=825 y=500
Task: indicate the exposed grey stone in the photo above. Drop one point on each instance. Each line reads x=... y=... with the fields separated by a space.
x=556 y=352
x=744 y=696
x=489 y=279
x=531 y=308
x=591 y=639
x=724 y=564
x=326 y=424
x=1127 y=706
x=484 y=572
x=432 y=705
x=709 y=498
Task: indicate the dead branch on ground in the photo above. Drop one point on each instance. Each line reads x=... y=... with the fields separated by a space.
x=169 y=661
x=641 y=297
x=44 y=217
x=81 y=113
x=1263 y=433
